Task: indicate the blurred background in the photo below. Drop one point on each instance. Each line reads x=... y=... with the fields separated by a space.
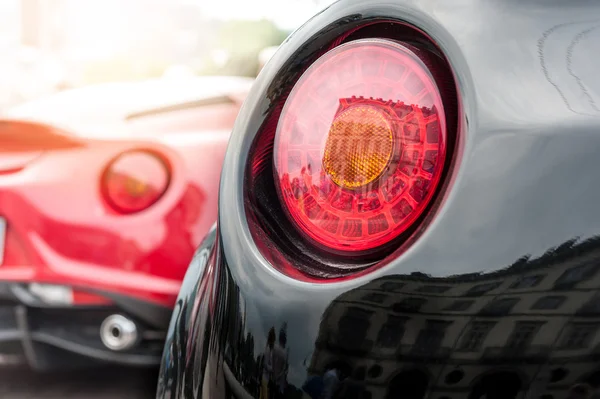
x=49 y=46
x=52 y=45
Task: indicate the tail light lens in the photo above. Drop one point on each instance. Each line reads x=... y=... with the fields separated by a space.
x=360 y=145
x=134 y=181
x=362 y=129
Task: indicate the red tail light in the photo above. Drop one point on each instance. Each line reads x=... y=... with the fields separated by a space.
x=362 y=131
x=134 y=181
x=360 y=145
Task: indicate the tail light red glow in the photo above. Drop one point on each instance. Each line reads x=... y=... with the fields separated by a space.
x=135 y=181
x=360 y=145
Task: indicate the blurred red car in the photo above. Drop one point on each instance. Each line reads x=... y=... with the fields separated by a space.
x=105 y=193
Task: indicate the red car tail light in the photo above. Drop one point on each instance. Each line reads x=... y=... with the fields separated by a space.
x=134 y=181
x=360 y=145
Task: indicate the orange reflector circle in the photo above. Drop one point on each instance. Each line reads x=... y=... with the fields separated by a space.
x=134 y=181
x=358 y=147
x=135 y=188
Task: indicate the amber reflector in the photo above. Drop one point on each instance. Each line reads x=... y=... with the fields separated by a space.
x=359 y=146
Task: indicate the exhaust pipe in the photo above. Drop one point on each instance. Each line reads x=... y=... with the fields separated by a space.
x=118 y=333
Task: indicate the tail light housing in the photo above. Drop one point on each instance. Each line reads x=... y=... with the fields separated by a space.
x=360 y=145
x=134 y=181
x=356 y=148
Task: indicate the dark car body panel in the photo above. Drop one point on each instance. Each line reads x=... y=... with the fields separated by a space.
x=497 y=294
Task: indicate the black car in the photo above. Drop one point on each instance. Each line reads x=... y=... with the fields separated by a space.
x=409 y=208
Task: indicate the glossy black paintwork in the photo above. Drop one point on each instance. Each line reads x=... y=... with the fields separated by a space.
x=510 y=255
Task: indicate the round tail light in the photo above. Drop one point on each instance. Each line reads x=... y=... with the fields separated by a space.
x=360 y=145
x=134 y=181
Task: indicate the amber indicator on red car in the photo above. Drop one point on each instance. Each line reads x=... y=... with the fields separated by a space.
x=360 y=145
x=135 y=181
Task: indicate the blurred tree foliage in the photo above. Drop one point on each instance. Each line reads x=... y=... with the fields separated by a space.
x=238 y=44
x=122 y=69
x=242 y=41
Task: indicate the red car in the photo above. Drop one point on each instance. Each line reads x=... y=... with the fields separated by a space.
x=105 y=193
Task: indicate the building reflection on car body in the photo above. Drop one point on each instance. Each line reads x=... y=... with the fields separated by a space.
x=527 y=331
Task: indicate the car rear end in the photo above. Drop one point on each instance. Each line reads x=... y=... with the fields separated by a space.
x=408 y=208
x=103 y=201
x=88 y=263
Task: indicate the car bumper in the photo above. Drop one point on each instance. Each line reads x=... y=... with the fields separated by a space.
x=141 y=256
x=46 y=337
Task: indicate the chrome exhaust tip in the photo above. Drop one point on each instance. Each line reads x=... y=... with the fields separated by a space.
x=118 y=333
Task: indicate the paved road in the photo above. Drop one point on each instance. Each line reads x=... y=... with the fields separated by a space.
x=110 y=383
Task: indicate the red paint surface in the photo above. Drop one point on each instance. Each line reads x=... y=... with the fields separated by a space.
x=61 y=230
